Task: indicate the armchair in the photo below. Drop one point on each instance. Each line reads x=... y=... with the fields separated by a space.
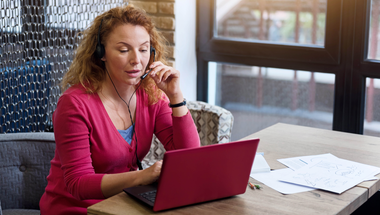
x=24 y=165
x=214 y=125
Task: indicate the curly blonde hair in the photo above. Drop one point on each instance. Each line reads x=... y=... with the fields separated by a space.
x=89 y=71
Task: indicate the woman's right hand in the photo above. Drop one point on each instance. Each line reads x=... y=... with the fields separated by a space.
x=151 y=174
x=113 y=184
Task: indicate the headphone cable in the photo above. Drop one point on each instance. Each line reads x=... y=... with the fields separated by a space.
x=130 y=115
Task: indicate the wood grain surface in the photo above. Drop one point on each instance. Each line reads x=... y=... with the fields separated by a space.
x=280 y=141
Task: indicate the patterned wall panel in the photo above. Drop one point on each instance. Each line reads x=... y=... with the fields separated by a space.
x=38 y=39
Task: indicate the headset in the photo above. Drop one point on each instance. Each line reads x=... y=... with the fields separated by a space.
x=99 y=53
x=99 y=50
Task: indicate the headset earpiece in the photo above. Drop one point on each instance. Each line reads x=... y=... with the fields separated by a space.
x=153 y=50
x=99 y=50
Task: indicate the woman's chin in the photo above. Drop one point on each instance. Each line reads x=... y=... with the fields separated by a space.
x=133 y=82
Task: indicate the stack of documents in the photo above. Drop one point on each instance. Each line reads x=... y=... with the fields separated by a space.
x=324 y=171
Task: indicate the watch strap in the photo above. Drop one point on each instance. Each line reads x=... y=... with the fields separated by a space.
x=178 y=105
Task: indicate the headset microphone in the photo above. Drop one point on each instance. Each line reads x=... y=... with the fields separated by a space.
x=154 y=58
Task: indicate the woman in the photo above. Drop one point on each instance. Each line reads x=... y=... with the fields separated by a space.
x=105 y=119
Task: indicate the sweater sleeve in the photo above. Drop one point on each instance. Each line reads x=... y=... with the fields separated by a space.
x=72 y=130
x=175 y=132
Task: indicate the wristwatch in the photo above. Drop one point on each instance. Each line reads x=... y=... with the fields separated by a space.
x=178 y=105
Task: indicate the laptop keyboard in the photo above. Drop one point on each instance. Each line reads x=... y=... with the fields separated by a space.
x=150 y=196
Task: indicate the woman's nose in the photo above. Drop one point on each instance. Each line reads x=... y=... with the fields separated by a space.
x=135 y=58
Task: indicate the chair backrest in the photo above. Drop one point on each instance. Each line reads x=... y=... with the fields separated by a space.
x=24 y=165
x=214 y=125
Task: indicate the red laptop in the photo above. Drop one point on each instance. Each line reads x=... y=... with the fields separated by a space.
x=195 y=175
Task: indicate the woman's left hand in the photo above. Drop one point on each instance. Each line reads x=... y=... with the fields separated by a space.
x=166 y=78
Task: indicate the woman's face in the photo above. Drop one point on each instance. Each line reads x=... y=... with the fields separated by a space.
x=127 y=53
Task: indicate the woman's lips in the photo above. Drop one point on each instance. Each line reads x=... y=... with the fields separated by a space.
x=133 y=73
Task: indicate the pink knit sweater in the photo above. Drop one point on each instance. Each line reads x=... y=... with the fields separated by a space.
x=88 y=146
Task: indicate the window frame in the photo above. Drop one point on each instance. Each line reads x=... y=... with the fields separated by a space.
x=344 y=54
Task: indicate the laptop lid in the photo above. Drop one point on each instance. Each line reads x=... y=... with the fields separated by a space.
x=195 y=175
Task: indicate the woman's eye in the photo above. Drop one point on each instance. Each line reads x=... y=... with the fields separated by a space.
x=122 y=51
x=144 y=50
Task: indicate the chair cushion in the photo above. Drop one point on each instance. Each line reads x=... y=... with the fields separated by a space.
x=24 y=165
x=21 y=212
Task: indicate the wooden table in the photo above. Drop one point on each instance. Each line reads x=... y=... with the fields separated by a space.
x=281 y=141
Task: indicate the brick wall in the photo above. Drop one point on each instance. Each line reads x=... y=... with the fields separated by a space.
x=163 y=16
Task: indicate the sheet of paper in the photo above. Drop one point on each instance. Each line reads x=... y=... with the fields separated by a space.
x=260 y=164
x=335 y=175
x=299 y=162
x=271 y=179
x=371 y=179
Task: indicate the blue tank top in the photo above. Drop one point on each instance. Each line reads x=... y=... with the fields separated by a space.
x=127 y=133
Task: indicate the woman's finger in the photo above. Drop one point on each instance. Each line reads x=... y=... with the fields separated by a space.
x=167 y=74
x=161 y=73
x=156 y=70
x=157 y=168
x=154 y=64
